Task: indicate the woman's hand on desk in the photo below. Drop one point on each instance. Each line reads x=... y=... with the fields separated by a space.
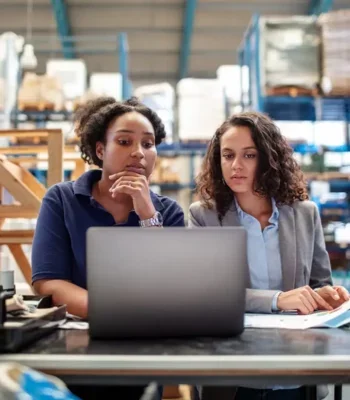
x=304 y=300
x=136 y=186
x=333 y=295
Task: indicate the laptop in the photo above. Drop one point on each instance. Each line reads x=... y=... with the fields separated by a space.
x=170 y=282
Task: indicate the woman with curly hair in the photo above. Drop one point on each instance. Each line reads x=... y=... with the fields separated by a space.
x=249 y=178
x=120 y=138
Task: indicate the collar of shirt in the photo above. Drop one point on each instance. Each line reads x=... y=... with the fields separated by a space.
x=244 y=217
x=83 y=187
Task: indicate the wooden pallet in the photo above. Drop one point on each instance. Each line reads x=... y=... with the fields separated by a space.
x=36 y=140
x=37 y=106
x=292 y=91
x=345 y=92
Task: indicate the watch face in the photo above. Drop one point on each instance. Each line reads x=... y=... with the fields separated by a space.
x=159 y=217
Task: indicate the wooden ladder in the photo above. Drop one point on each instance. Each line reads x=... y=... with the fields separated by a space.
x=27 y=192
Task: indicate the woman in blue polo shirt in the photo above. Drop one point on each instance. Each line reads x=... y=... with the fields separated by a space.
x=121 y=139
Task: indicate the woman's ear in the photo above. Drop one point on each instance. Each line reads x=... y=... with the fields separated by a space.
x=99 y=150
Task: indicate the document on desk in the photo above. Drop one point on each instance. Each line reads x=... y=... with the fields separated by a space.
x=285 y=320
x=73 y=322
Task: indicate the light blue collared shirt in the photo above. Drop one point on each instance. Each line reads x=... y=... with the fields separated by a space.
x=264 y=257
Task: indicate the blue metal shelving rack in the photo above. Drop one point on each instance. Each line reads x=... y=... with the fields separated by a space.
x=278 y=107
x=287 y=108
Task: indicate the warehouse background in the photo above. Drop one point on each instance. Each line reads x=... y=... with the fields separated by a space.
x=156 y=32
x=194 y=62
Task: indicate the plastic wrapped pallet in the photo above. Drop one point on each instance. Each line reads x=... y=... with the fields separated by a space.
x=40 y=92
x=290 y=52
x=2 y=93
x=72 y=74
x=10 y=47
x=297 y=131
x=201 y=108
x=29 y=91
x=51 y=92
x=160 y=97
x=107 y=84
x=335 y=28
x=230 y=77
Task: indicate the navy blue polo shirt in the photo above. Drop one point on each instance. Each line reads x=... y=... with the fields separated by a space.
x=68 y=210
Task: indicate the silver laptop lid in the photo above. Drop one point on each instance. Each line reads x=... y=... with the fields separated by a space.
x=166 y=282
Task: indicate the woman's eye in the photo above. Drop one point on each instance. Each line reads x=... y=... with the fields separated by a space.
x=123 y=142
x=250 y=155
x=148 y=145
x=228 y=156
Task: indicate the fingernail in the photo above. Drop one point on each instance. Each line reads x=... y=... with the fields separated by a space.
x=336 y=297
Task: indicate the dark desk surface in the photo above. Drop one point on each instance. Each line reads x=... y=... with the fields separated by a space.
x=253 y=342
x=279 y=354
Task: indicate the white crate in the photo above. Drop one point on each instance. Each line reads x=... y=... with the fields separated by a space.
x=201 y=108
x=230 y=78
x=107 y=84
x=72 y=74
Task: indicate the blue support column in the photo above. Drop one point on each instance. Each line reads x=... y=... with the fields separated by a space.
x=318 y=7
x=189 y=16
x=242 y=65
x=259 y=100
x=63 y=27
x=123 y=53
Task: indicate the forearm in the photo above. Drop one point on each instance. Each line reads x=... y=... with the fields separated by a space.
x=259 y=301
x=64 y=292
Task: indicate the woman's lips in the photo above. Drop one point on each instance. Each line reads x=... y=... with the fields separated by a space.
x=136 y=169
x=238 y=179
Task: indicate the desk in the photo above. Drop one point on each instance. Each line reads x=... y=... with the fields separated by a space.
x=274 y=356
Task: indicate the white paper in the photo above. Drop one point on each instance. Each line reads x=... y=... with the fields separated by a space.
x=75 y=325
x=333 y=319
x=74 y=322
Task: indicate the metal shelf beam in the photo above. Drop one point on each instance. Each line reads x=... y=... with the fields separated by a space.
x=189 y=17
x=63 y=27
x=318 y=7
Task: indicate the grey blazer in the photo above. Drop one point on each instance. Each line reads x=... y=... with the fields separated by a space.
x=304 y=258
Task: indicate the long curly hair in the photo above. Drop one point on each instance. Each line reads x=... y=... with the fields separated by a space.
x=279 y=175
x=92 y=120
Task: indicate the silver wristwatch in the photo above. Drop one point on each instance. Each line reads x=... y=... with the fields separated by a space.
x=156 y=220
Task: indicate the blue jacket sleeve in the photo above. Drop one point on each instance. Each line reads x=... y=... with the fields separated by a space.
x=52 y=256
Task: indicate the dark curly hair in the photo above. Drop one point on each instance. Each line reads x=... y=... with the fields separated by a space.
x=92 y=120
x=279 y=175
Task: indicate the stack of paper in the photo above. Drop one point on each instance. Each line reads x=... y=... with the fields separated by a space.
x=291 y=320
